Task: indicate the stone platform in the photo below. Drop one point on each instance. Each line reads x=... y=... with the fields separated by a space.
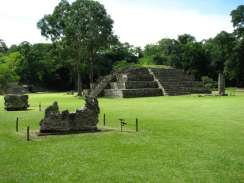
x=133 y=82
x=149 y=82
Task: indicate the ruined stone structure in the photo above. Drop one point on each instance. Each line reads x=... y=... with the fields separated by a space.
x=85 y=119
x=14 y=102
x=176 y=82
x=133 y=82
x=15 y=88
x=145 y=82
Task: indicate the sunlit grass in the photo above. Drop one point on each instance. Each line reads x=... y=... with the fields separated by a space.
x=181 y=139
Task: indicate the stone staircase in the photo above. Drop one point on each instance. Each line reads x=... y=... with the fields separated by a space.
x=176 y=82
x=148 y=82
x=134 y=82
x=101 y=85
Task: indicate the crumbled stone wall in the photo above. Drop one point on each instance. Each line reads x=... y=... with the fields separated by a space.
x=85 y=119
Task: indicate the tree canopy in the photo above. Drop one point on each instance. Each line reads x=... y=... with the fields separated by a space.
x=84 y=25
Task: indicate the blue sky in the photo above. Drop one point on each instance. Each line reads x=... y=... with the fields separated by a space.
x=203 y=6
x=138 y=22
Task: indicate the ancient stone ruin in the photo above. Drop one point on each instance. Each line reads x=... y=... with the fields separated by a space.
x=14 y=102
x=221 y=84
x=83 y=120
x=148 y=82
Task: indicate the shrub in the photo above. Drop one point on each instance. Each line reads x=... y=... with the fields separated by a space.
x=123 y=65
x=209 y=82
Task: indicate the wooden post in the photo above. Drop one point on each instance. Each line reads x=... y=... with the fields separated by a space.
x=137 y=129
x=17 y=124
x=104 y=119
x=28 y=133
x=40 y=107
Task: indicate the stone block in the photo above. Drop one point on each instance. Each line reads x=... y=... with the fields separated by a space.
x=16 y=102
x=83 y=120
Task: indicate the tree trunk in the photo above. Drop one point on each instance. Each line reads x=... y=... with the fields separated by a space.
x=79 y=82
x=221 y=84
x=91 y=75
x=79 y=85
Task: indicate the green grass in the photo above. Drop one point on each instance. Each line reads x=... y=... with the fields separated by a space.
x=181 y=139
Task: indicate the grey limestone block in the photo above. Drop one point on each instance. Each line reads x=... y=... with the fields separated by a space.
x=14 y=102
x=85 y=119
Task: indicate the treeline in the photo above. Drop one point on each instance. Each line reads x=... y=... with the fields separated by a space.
x=222 y=54
x=51 y=66
x=84 y=48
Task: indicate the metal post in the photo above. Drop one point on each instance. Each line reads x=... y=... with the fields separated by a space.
x=104 y=119
x=122 y=123
x=17 y=124
x=40 y=107
x=28 y=133
x=137 y=129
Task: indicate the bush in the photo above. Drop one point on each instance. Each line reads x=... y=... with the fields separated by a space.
x=7 y=69
x=209 y=83
x=123 y=65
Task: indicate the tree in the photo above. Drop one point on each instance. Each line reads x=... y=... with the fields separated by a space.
x=3 y=46
x=221 y=49
x=186 y=38
x=86 y=27
x=238 y=20
x=8 y=65
x=194 y=59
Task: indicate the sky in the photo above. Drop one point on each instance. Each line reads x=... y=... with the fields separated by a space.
x=138 y=22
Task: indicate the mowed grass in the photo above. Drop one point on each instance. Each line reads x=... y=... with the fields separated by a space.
x=181 y=139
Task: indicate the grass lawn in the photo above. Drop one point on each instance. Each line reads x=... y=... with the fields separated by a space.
x=181 y=139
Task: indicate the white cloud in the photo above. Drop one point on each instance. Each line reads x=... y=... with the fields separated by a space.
x=136 y=23
x=18 y=19
x=141 y=25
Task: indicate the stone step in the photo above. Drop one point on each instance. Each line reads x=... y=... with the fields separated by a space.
x=183 y=77
x=136 y=71
x=133 y=85
x=169 y=73
x=134 y=77
x=160 y=70
x=181 y=86
x=186 y=90
x=101 y=85
x=132 y=93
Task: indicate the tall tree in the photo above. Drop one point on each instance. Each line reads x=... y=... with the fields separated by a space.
x=3 y=46
x=86 y=27
x=238 y=20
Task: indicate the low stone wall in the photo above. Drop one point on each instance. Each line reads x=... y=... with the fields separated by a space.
x=133 y=85
x=134 y=77
x=16 y=102
x=137 y=71
x=113 y=93
x=131 y=93
x=145 y=92
x=85 y=119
